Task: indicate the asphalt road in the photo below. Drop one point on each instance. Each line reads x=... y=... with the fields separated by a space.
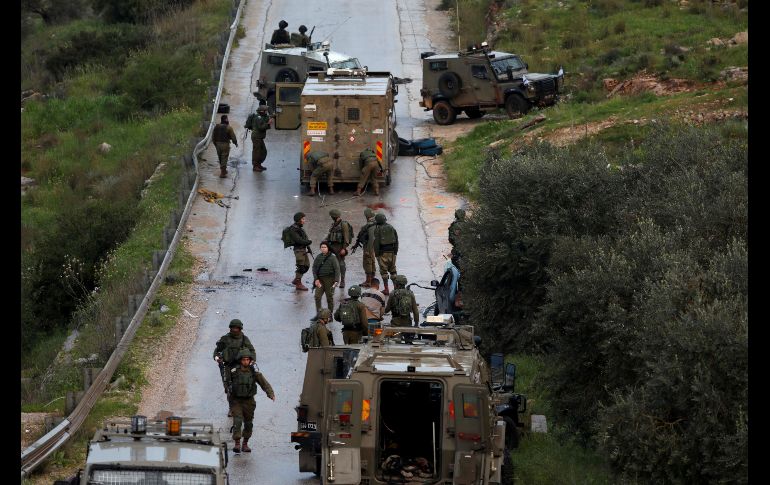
x=251 y=270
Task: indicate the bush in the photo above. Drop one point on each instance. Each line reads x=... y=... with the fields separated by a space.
x=136 y=11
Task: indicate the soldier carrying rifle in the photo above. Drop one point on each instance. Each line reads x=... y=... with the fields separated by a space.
x=227 y=350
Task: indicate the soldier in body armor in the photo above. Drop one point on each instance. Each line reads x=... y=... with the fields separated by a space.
x=280 y=35
x=244 y=380
x=369 y=167
x=383 y=239
x=301 y=245
x=339 y=237
x=352 y=314
x=222 y=135
x=229 y=345
x=362 y=240
x=402 y=304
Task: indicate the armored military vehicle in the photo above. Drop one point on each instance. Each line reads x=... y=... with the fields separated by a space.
x=286 y=63
x=342 y=112
x=411 y=405
x=480 y=80
x=171 y=452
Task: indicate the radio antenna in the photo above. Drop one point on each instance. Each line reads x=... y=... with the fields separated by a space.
x=335 y=28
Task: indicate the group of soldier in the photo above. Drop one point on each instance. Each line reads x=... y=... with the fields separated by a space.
x=281 y=36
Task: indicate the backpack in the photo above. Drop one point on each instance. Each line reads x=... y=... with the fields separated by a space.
x=350 y=231
x=349 y=316
x=286 y=237
x=385 y=234
x=249 y=125
x=309 y=337
x=402 y=307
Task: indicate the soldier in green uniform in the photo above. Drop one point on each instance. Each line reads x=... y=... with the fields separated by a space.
x=280 y=36
x=301 y=245
x=352 y=315
x=228 y=346
x=259 y=129
x=301 y=39
x=456 y=226
x=369 y=166
x=326 y=276
x=362 y=240
x=324 y=336
x=339 y=237
x=383 y=239
x=244 y=380
x=222 y=135
x=322 y=164
x=402 y=304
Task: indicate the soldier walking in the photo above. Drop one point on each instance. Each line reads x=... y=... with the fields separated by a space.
x=280 y=35
x=339 y=237
x=259 y=127
x=384 y=241
x=244 y=380
x=352 y=315
x=369 y=167
x=321 y=164
x=326 y=276
x=301 y=245
x=222 y=135
x=228 y=346
x=402 y=304
x=362 y=240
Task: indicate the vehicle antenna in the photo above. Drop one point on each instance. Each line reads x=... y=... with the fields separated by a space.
x=335 y=28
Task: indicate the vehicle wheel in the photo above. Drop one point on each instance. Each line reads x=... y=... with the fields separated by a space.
x=511 y=433
x=449 y=84
x=516 y=106
x=287 y=75
x=506 y=472
x=473 y=113
x=444 y=113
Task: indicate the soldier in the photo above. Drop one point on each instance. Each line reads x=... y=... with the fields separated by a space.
x=259 y=128
x=301 y=245
x=228 y=346
x=352 y=315
x=369 y=166
x=222 y=135
x=339 y=237
x=323 y=334
x=322 y=164
x=374 y=301
x=402 y=304
x=362 y=240
x=302 y=40
x=455 y=228
x=244 y=380
x=383 y=239
x=280 y=36
x=326 y=276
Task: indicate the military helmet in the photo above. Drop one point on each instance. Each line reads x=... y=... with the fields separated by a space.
x=283 y=24
x=302 y=29
x=335 y=213
x=354 y=291
x=368 y=212
x=380 y=218
x=460 y=214
x=245 y=353
x=324 y=313
x=262 y=108
x=298 y=216
x=399 y=279
x=236 y=323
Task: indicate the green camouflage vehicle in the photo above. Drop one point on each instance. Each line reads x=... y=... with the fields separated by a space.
x=411 y=405
x=482 y=80
x=172 y=453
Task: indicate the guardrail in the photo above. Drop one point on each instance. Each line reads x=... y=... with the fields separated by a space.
x=36 y=453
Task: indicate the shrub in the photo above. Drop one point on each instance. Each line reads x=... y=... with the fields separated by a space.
x=136 y=11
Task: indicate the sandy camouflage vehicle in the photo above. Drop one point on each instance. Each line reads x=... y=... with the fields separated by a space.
x=342 y=112
x=177 y=452
x=287 y=63
x=481 y=80
x=411 y=405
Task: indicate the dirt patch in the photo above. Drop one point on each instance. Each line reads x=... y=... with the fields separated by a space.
x=644 y=82
x=32 y=427
x=570 y=134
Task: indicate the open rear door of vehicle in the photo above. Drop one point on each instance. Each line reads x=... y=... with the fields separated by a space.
x=287 y=109
x=471 y=410
x=341 y=463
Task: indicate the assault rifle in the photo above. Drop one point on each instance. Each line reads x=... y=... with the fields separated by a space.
x=223 y=373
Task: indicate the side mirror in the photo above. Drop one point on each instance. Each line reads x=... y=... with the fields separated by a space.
x=509 y=380
x=496 y=369
x=526 y=66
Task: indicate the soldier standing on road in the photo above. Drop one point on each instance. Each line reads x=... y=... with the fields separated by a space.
x=321 y=164
x=222 y=135
x=339 y=237
x=384 y=241
x=259 y=129
x=326 y=276
x=362 y=240
x=301 y=245
x=280 y=35
x=324 y=335
x=402 y=304
x=244 y=380
x=374 y=300
x=229 y=345
x=352 y=314
x=369 y=167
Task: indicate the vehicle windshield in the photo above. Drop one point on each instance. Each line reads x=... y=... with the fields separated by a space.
x=351 y=63
x=500 y=66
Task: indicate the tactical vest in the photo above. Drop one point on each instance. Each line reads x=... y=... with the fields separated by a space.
x=385 y=234
x=402 y=306
x=220 y=134
x=244 y=383
x=232 y=348
x=336 y=233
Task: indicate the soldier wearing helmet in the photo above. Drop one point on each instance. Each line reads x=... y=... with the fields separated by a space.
x=222 y=135
x=383 y=239
x=352 y=314
x=368 y=260
x=340 y=236
x=402 y=304
x=323 y=334
x=297 y=237
x=227 y=349
x=369 y=164
x=259 y=125
x=244 y=380
x=301 y=39
x=321 y=164
x=280 y=35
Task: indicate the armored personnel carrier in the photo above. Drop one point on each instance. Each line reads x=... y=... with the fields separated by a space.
x=411 y=405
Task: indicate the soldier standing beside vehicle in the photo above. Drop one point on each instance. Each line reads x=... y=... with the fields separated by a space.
x=339 y=237
x=362 y=240
x=244 y=380
x=323 y=336
x=299 y=240
x=384 y=241
x=222 y=135
x=280 y=35
x=229 y=345
x=326 y=276
x=369 y=166
x=402 y=304
x=259 y=126
x=352 y=315
x=321 y=164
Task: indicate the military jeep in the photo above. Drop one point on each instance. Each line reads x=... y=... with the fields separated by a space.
x=289 y=64
x=481 y=80
x=411 y=405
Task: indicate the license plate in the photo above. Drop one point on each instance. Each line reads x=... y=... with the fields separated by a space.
x=309 y=426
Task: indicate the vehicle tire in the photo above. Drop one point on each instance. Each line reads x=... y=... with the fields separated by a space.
x=511 y=433
x=506 y=472
x=449 y=84
x=473 y=113
x=516 y=106
x=287 y=75
x=444 y=113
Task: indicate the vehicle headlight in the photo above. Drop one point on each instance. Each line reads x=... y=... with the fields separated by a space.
x=531 y=87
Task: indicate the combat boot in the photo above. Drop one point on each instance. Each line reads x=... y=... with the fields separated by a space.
x=222 y=173
x=262 y=167
x=299 y=286
x=245 y=446
x=385 y=291
x=368 y=282
x=311 y=193
x=259 y=168
x=237 y=447
x=331 y=190
x=376 y=187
